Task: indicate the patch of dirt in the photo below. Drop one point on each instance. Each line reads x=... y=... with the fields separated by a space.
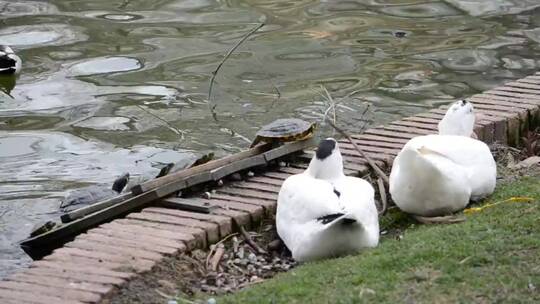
x=228 y=266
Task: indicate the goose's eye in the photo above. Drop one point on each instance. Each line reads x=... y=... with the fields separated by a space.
x=463 y=102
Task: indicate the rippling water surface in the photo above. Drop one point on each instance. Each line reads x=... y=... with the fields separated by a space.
x=96 y=74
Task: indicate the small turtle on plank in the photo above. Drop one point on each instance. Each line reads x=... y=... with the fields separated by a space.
x=285 y=130
x=42 y=227
x=185 y=164
x=93 y=194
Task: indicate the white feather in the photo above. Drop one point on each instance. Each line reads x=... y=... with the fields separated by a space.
x=305 y=197
x=439 y=174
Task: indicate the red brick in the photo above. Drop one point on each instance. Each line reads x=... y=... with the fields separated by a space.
x=502 y=101
x=290 y=170
x=386 y=133
x=516 y=100
x=409 y=130
x=350 y=150
x=129 y=243
x=138 y=265
x=186 y=235
x=374 y=143
x=242 y=218
x=91 y=262
x=136 y=253
x=256 y=186
x=266 y=180
x=255 y=211
x=494 y=111
x=95 y=269
x=224 y=223
x=197 y=228
x=39 y=290
x=518 y=90
x=10 y=301
x=268 y=205
x=427 y=120
x=372 y=135
x=525 y=97
x=248 y=193
x=433 y=128
x=75 y=276
x=276 y=175
x=120 y=232
x=63 y=283
x=525 y=85
x=31 y=297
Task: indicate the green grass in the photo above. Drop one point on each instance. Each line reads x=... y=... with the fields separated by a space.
x=494 y=256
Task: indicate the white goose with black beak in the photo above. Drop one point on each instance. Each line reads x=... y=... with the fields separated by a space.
x=436 y=175
x=9 y=62
x=322 y=213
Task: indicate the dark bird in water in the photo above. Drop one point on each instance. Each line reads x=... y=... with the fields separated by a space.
x=9 y=62
x=120 y=183
x=165 y=170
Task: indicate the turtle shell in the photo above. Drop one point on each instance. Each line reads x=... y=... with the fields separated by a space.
x=285 y=129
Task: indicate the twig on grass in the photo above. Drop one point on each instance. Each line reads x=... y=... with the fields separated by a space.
x=250 y=241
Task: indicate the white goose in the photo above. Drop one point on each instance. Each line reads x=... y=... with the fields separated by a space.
x=322 y=213
x=436 y=175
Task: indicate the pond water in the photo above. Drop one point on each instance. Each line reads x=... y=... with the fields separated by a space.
x=97 y=74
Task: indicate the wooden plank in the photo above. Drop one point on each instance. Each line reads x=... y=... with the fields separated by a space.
x=187 y=204
x=79 y=213
x=62 y=282
x=167 y=179
x=289 y=148
x=41 y=245
x=254 y=161
x=30 y=297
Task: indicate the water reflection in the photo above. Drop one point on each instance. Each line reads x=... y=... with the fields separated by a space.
x=98 y=72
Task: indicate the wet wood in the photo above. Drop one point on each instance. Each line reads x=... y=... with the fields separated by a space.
x=79 y=213
x=214 y=164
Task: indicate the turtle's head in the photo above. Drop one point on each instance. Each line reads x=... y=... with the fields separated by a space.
x=327 y=162
x=120 y=183
x=458 y=120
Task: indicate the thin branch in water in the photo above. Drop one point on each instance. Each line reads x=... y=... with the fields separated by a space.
x=215 y=72
x=168 y=125
x=373 y=165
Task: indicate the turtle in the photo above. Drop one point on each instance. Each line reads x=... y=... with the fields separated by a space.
x=284 y=130
x=93 y=194
x=42 y=227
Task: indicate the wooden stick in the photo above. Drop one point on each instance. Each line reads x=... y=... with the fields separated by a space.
x=76 y=214
x=149 y=185
x=373 y=165
x=229 y=53
x=448 y=219
x=214 y=262
x=250 y=241
x=382 y=194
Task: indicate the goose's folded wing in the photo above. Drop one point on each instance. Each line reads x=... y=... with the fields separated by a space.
x=459 y=149
x=303 y=198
